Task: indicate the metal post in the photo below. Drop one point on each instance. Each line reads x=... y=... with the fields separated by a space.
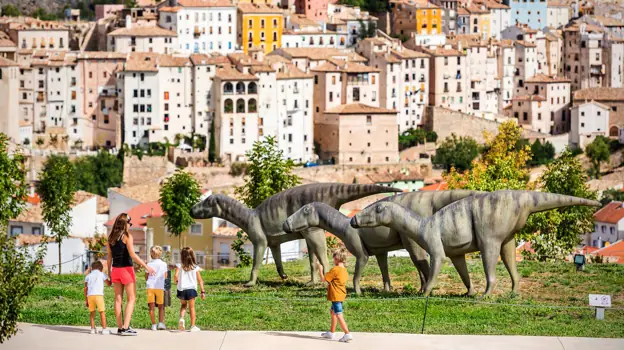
x=422 y=331
x=600 y=313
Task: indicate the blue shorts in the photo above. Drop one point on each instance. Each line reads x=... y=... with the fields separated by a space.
x=336 y=307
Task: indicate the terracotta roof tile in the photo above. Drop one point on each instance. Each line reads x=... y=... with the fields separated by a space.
x=28 y=239
x=290 y=71
x=205 y=3
x=141 y=193
x=102 y=55
x=170 y=9
x=600 y=94
x=258 y=8
x=4 y=62
x=303 y=21
x=142 y=62
x=615 y=250
x=525 y=43
x=359 y=108
x=440 y=51
x=407 y=53
x=576 y=26
x=140 y=213
x=543 y=78
x=536 y=98
x=154 y=31
x=439 y=186
x=226 y=231
x=229 y=73
x=611 y=213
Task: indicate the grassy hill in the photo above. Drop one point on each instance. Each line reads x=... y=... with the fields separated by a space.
x=291 y=305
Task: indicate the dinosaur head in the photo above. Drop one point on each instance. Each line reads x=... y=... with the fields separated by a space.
x=302 y=219
x=208 y=208
x=377 y=214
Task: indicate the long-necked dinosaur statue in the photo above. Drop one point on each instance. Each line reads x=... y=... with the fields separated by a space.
x=263 y=224
x=377 y=241
x=484 y=222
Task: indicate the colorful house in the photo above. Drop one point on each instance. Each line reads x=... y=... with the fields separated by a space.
x=415 y=18
x=530 y=12
x=479 y=20
x=260 y=26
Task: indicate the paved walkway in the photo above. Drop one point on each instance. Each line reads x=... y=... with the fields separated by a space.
x=68 y=338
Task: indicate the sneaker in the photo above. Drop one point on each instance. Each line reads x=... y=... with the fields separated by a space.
x=181 y=324
x=346 y=338
x=153 y=327
x=161 y=326
x=129 y=332
x=93 y=331
x=327 y=335
x=194 y=329
x=120 y=331
x=105 y=331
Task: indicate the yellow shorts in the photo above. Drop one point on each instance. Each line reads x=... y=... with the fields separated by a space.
x=156 y=296
x=96 y=300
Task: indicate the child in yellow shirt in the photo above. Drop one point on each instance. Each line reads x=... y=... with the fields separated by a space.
x=336 y=280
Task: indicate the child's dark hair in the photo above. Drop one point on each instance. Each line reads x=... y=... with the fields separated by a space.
x=97 y=265
x=187 y=257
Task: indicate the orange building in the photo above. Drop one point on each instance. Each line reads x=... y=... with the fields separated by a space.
x=260 y=26
x=415 y=17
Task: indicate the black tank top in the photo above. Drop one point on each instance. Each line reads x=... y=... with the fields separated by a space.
x=121 y=256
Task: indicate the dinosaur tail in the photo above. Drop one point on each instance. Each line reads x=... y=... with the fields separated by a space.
x=541 y=201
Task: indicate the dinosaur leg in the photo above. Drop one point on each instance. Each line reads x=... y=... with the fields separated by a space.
x=258 y=253
x=419 y=258
x=360 y=263
x=436 y=264
x=276 y=251
x=317 y=247
x=508 y=255
x=382 y=261
x=460 y=265
x=489 y=256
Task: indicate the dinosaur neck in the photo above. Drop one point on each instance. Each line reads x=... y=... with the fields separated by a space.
x=404 y=221
x=235 y=212
x=333 y=221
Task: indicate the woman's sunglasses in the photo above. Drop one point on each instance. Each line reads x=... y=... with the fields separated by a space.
x=130 y=221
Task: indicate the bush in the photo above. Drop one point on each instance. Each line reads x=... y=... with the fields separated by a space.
x=19 y=273
x=238 y=168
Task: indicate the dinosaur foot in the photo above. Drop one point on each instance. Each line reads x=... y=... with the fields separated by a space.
x=249 y=284
x=284 y=276
x=470 y=293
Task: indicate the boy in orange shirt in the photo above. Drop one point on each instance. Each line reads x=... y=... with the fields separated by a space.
x=336 y=280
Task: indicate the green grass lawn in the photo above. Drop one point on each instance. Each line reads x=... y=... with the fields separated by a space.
x=291 y=305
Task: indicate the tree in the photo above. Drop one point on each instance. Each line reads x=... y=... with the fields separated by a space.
x=10 y=11
x=502 y=166
x=268 y=173
x=556 y=233
x=13 y=186
x=458 y=152
x=212 y=146
x=130 y=4
x=177 y=196
x=97 y=173
x=542 y=153
x=20 y=270
x=413 y=137
x=43 y=15
x=598 y=152
x=57 y=184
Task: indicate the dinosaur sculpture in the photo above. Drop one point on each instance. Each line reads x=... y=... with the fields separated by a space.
x=263 y=224
x=484 y=222
x=378 y=241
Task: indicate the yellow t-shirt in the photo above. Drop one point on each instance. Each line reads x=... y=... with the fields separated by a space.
x=337 y=288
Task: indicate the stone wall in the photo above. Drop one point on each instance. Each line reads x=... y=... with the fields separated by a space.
x=148 y=169
x=445 y=122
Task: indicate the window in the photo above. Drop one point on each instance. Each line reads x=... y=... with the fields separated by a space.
x=17 y=230
x=196 y=230
x=166 y=95
x=369 y=120
x=331 y=96
x=36 y=230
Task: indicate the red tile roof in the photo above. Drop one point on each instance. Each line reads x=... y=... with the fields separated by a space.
x=611 y=213
x=140 y=213
x=440 y=186
x=615 y=250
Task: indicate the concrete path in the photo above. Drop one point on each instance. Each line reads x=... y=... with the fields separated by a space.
x=68 y=338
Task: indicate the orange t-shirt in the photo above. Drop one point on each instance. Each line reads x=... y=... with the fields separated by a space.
x=337 y=288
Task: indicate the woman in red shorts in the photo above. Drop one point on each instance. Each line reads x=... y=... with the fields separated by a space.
x=121 y=256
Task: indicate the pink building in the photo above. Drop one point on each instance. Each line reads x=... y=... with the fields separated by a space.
x=314 y=9
x=102 y=11
x=100 y=99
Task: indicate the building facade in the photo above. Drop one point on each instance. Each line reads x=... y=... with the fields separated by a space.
x=589 y=120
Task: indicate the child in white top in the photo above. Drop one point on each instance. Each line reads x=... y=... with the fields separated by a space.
x=156 y=288
x=187 y=275
x=94 y=295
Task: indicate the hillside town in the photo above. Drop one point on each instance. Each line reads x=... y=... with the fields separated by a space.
x=332 y=83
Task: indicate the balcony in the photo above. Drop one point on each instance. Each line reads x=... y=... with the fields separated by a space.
x=596 y=69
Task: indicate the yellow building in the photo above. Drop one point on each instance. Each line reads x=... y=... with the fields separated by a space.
x=260 y=26
x=198 y=237
x=479 y=20
x=419 y=17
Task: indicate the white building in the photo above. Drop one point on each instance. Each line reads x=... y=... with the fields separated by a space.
x=301 y=31
x=9 y=77
x=142 y=39
x=202 y=26
x=526 y=63
x=609 y=225
x=506 y=69
x=589 y=120
x=558 y=13
x=348 y=20
x=500 y=17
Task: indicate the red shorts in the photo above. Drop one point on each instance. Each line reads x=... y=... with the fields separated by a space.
x=123 y=275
